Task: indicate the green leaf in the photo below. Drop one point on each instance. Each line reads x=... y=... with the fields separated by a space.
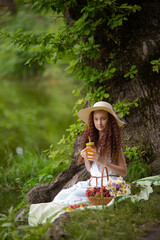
x=112 y=70
x=80 y=101
x=72 y=63
x=135 y=71
x=7 y=224
x=121 y=114
x=126 y=75
x=106 y=95
x=133 y=67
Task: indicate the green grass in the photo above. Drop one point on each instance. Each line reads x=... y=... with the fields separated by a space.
x=122 y=221
x=137 y=170
x=22 y=168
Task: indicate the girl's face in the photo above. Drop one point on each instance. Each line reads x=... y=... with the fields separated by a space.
x=100 y=119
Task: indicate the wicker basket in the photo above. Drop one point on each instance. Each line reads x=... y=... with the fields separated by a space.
x=100 y=200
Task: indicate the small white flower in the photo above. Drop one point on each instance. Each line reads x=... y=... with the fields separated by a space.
x=122 y=187
x=19 y=150
x=108 y=184
x=112 y=194
x=126 y=191
x=123 y=183
x=113 y=188
x=119 y=193
x=120 y=179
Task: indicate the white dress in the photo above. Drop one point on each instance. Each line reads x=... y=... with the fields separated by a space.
x=39 y=213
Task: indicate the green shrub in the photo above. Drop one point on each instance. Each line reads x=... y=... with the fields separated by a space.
x=23 y=167
x=137 y=170
x=137 y=165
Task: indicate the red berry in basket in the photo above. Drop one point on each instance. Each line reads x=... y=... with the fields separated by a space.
x=98 y=194
x=88 y=193
x=92 y=194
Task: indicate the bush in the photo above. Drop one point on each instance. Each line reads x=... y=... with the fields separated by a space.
x=23 y=167
x=137 y=167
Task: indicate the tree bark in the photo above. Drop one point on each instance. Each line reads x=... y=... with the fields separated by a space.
x=141 y=44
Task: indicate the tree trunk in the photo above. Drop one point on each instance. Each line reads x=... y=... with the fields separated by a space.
x=140 y=43
x=47 y=191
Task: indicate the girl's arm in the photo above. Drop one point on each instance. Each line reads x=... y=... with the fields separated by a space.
x=120 y=169
x=87 y=162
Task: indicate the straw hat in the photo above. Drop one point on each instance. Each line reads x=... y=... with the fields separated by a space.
x=84 y=113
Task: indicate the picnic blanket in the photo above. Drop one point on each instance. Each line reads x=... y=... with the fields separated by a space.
x=48 y=212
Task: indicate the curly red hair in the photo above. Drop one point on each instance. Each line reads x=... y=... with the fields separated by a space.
x=110 y=142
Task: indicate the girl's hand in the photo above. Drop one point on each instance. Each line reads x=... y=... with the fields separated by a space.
x=96 y=157
x=91 y=155
x=83 y=153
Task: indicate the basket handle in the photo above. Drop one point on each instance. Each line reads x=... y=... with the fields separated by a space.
x=102 y=179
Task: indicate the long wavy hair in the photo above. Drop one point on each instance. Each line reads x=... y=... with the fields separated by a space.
x=109 y=144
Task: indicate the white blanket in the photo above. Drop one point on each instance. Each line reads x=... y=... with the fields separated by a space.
x=47 y=212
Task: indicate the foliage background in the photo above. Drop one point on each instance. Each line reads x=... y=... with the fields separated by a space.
x=35 y=106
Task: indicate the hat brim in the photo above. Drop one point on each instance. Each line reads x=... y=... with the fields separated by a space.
x=84 y=114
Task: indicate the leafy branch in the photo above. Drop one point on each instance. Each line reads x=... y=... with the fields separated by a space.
x=131 y=72
x=123 y=107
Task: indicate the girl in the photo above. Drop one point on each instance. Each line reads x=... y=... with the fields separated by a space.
x=103 y=128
